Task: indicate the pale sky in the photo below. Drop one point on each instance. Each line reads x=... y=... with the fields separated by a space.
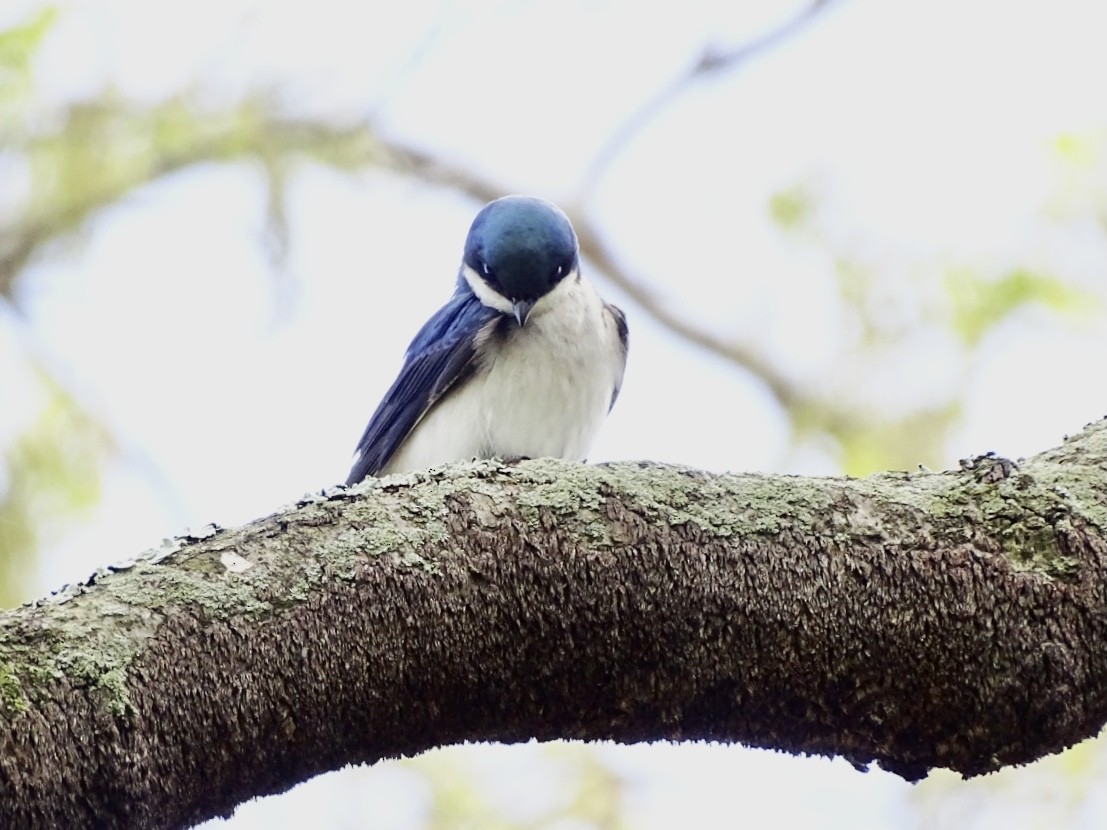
x=927 y=129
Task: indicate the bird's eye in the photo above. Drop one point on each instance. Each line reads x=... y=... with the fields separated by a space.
x=489 y=276
x=562 y=271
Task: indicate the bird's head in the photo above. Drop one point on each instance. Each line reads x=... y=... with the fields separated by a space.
x=519 y=248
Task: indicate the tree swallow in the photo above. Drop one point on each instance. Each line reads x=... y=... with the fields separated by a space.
x=525 y=360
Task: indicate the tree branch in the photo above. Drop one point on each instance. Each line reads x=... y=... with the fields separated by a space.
x=919 y=620
x=110 y=148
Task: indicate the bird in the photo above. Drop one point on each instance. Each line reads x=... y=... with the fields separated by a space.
x=524 y=361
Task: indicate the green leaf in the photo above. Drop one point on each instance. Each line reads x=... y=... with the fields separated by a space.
x=17 y=48
x=1083 y=151
x=980 y=304
x=792 y=207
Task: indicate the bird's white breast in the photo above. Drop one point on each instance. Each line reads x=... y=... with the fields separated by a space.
x=541 y=391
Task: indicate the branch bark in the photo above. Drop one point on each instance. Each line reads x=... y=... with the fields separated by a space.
x=917 y=620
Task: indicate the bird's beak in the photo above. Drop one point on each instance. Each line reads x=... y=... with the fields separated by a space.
x=522 y=308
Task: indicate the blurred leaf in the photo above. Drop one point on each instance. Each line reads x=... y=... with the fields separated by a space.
x=856 y=284
x=792 y=207
x=17 y=48
x=1055 y=791
x=900 y=443
x=1083 y=151
x=866 y=443
x=51 y=474
x=599 y=796
x=577 y=788
x=980 y=304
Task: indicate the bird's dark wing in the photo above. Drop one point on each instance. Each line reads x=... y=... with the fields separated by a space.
x=620 y=321
x=441 y=354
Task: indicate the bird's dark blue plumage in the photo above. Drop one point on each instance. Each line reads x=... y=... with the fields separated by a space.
x=441 y=354
x=521 y=247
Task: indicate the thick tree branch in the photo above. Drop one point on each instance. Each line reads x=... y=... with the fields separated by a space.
x=919 y=620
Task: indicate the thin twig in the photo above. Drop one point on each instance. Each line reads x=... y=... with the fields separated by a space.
x=712 y=61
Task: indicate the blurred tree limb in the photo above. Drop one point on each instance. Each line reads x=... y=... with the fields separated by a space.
x=920 y=620
x=106 y=149
x=712 y=61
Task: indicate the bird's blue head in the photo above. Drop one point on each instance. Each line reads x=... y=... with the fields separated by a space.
x=520 y=247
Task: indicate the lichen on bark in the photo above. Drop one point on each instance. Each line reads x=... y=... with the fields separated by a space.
x=917 y=620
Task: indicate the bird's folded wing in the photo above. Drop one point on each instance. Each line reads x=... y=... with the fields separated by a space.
x=442 y=353
x=619 y=320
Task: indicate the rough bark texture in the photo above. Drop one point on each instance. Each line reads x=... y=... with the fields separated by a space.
x=915 y=619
